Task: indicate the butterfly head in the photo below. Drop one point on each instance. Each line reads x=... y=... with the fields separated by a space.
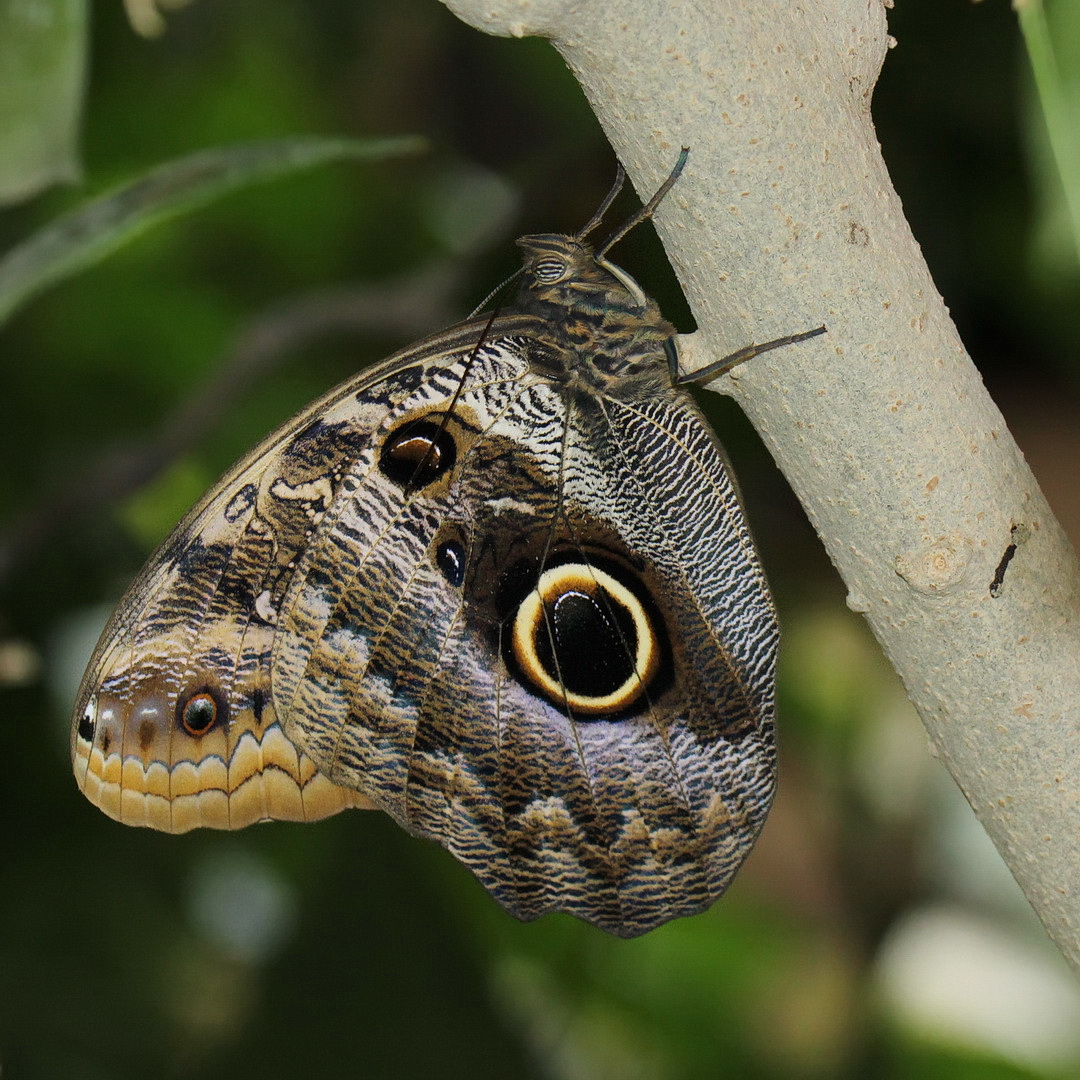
x=565 y=271
x=565 y=278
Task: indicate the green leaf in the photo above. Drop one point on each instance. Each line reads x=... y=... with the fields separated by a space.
x=1051 y=37
x=42 y=79
x=87 y=235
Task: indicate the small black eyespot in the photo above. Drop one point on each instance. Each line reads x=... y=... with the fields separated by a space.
x=200 y=711
x=417 y=454
x=450 y=559
x=549 y=269
x=258 y=704
x=87 y=724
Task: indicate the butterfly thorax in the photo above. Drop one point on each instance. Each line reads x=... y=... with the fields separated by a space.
x=601 y=327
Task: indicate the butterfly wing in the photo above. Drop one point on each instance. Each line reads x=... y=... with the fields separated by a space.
x=456 y=591
x=534 y=629
x=175 y=725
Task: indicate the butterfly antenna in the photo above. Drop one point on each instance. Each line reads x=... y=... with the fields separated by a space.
x=495 y=292
x=430 y=452
x=648 y=209
x=609 y=198
x=413 y=484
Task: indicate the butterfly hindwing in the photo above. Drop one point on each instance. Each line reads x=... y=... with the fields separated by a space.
x=175 y=725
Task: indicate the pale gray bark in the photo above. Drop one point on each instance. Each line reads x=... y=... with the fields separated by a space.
x=784 y=219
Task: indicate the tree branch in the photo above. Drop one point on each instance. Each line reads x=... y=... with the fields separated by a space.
x=786 y=218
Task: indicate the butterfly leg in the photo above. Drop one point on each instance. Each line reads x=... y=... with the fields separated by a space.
x=711 y=371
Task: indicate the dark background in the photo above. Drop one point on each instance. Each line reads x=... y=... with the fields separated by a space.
x=348 y=948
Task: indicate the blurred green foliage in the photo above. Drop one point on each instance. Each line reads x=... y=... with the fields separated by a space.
x=369 y=953
x=42 y=77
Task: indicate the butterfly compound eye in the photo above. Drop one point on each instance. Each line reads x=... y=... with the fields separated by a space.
x=549 y=269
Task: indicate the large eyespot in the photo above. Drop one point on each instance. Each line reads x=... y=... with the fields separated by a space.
x=549 y=269
x=200 y=711
x=586 y=641
x=417 y=453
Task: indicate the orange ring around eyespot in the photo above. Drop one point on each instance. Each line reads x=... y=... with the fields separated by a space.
x=197 y=699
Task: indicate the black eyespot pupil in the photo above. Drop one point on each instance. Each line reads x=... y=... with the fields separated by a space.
x=418 y=451
x=86 y=725
x=588 y=642
x=417 y=454
x=450 y=559
x=200 y=714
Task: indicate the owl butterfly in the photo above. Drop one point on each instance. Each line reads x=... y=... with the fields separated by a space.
x=499 y=586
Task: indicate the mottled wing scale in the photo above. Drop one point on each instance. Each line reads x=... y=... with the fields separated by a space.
x=392 y=667
x=175 y=725
x=721 y=625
